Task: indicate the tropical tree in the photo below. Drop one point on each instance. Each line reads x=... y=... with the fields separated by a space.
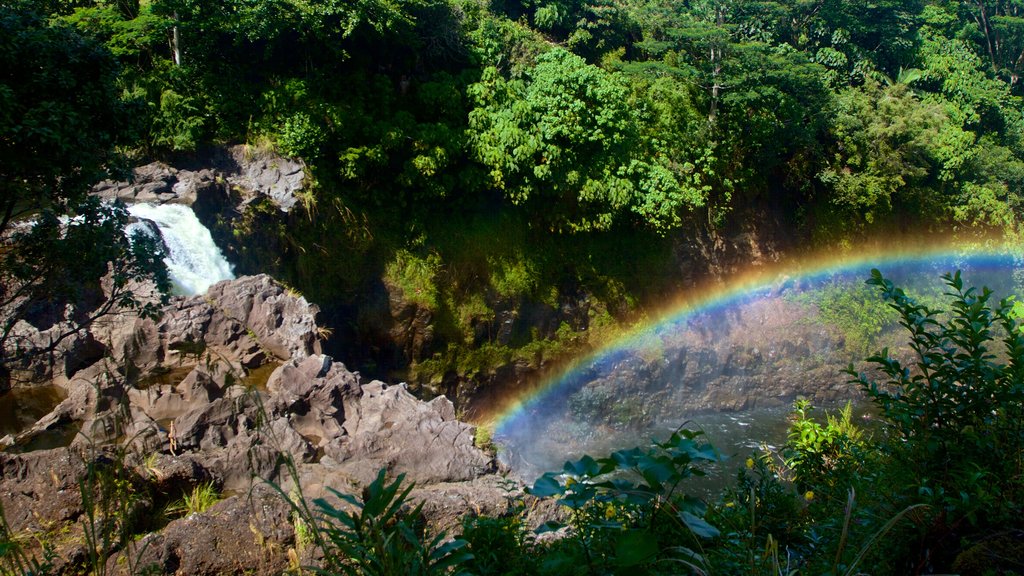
x=566 y=142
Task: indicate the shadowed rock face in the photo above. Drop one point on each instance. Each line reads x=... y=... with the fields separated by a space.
x=174 y=393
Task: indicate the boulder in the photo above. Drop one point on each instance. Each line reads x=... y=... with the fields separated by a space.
x=245 y=534
x=220 y=177
x=278 y=178
x=311 y=395
x=240 y=322
x=387 y=427
x=39 y=487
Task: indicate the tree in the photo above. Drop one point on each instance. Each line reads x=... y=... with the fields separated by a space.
x=60 y=122
x=998 y=28
x=566 y=141
x=885 y=147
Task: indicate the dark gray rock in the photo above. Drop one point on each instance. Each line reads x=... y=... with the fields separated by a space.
x=222 y=179
x=245 y=534
x=40 y=489
x=240 y=322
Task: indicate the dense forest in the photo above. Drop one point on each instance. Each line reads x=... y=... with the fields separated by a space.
x=523 y=175
x=507 y=183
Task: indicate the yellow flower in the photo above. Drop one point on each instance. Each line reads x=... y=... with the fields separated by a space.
x=750 y=463
x=809 y=495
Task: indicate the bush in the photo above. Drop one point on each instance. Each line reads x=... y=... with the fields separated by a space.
x=954 y=419
x=627 y=511
x=379 y=538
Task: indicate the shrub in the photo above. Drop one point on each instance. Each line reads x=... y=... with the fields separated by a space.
x=626 y=511
x=953 y=418
x=377 y=538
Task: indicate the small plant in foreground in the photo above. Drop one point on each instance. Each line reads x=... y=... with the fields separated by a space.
x=199 y=500
x=377 y=536
x=626 y=510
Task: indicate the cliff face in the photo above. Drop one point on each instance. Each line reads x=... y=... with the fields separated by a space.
x=480 y=306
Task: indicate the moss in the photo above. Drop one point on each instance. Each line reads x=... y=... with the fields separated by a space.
x=483 y=439
x=514 y=275
x=999 y=555
x=469 y=312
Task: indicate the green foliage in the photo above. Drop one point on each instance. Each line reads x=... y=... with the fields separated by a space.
x=762 y=521
x=951 y=418
x=857 y=311
x=955 y=418
x=379 y=537
x=880 y=161
x=61 y=123
x=198 y=501
x=415 y=277
x=824 y=458
x=61 y=119
x=500 y=546
x=565 y=141
x=514 y=277
x=627 y=510
x=178 y=124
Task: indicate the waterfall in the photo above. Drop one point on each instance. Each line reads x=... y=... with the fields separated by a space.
x=193 y=260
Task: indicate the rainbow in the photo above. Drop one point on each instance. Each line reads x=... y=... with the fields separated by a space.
x=509 y=413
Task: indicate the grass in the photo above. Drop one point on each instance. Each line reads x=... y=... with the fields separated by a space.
x=198 y=501
x=415 y=276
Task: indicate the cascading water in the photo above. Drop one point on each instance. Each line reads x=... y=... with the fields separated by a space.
x=193 y=260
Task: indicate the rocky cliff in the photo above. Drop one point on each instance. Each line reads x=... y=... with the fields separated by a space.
x=179 y=401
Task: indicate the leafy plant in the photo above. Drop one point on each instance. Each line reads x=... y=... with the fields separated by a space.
x=626 y=510
x=378 y=538
x=954 y=416
x=500 y=546
x=823 y=456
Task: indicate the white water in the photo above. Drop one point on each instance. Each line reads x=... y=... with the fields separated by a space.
x=193 y=260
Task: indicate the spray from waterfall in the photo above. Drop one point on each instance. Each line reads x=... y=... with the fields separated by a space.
x=193 y=260
x=732 y=358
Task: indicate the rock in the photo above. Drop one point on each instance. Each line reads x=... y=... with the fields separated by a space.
x=208 y=182
x=239 y=322
x=269 y=174
x=176 y=475
x=171 y=392
x=411 y=326
x=246 y=534
x=386 y=427
x=40 y=489
x=311 y=395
